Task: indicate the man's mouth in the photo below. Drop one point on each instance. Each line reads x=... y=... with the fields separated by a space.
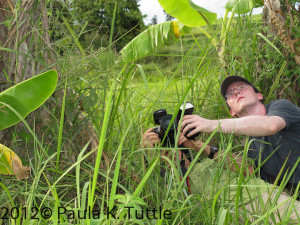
x=239 y=98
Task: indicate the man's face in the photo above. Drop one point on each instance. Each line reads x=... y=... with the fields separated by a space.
x=240 y=96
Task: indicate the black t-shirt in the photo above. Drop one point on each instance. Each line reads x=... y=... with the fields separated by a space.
x=281 y=146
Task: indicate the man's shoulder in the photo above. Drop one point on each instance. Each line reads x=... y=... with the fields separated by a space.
x=286 y=110
x=281 y=103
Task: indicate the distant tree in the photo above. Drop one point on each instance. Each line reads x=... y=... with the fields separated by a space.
x=168 y=16
x=99 y=14
x=154 y=20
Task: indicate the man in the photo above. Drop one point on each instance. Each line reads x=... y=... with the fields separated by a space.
x=274 y=129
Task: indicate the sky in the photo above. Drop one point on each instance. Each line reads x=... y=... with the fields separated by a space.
x=152 y=7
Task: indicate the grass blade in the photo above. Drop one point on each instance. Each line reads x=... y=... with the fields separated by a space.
x=269 y=42
x=276 y=82
x=61 y=126
x=74 y=36
x=141 y=185
x=143 y=75
x=101 y=144
x=112 y=25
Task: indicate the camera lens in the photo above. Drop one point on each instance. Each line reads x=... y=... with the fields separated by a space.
x=158 y=114
x=165 y=121
x=164 y=124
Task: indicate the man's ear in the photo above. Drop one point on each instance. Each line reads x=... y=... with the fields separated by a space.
x=233 y=114
x=260 y=96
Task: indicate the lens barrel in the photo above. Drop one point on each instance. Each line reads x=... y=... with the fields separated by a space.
x=164 y=124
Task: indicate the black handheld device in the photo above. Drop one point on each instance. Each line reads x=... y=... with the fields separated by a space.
x=163 y=119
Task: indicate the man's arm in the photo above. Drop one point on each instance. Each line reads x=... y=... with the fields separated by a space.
x=250 y=125
x=197 y=145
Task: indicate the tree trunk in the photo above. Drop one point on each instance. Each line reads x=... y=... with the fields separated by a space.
x=5 y=12
x=278 y=15
x=277 y=20
x=27 y=43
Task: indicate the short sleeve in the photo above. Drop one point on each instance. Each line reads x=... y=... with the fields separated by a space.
x=286 y=110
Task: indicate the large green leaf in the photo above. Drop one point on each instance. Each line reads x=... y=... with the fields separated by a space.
x=186 y=12
x=25 y=97
x=153 y=39
x=242 y=6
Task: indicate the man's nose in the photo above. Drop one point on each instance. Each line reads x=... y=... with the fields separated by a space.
x=236 y=91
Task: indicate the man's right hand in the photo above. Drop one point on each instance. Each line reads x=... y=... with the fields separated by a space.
x=194 y=145
x=150 y=138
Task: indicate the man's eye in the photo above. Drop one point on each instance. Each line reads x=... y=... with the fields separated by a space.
x=230 y=94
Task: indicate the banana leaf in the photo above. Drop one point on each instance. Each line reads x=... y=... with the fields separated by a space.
x=153 y=39
x=187 y=12
x=25 y=97
x=243 y=6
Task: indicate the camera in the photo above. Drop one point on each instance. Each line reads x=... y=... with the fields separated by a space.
x=163 y=119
